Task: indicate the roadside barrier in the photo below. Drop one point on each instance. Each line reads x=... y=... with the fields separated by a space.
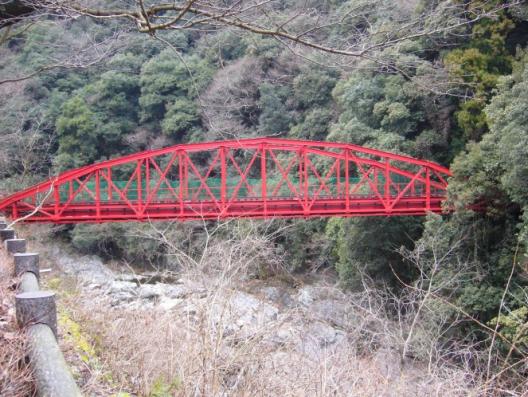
x=36 y=312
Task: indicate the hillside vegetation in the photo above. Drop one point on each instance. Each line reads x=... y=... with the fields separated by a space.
x=74 y=91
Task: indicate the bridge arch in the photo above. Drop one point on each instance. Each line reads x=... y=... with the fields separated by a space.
x=256 y=178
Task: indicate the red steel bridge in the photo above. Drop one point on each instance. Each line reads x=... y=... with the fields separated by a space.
x=252 y=178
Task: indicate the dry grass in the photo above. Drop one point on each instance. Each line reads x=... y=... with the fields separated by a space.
x=195 y=352
x=198 y=348
x=15 y=375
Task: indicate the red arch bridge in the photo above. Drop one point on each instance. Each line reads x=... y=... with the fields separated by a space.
x=254 y=178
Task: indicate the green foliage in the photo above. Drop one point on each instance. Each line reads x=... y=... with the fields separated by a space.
x=313 y=88
x=223 y=46
x=77 y=128
x=93 y=123
x=387 y=102
x=495 y=170
x=36 y=52
x=263 y=47
x=479 y=64
x=167 y=77
x=306 y=244
x=274 y=117
x=181 y=117
x=117 y=241
x=160 y=388
x=514 y=327
x=368 y=247
x=315 y=125
x=429 y=144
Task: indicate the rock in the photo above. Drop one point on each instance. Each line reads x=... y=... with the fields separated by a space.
x=122 y=292
x=242 y=313
x=190 y=309
x=150 y=291
x=317 y=337
x=271 y=293
x=122 y=286
x=388 y=362
x=278 y=296
x=285 y=334
x=306 y=295
x=324 y=334
x=316 y=323
x=89 y=269
x=169 y=303
x=333 y=311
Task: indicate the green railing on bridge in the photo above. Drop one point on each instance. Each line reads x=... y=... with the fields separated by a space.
x=194 y=190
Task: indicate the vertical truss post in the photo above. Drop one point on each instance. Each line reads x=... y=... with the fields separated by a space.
x=387 y=183
x=263 y=175
x=180 y=174
x=223 y=182
x=109 y=173
x=299 y=156
x=338 y=175
x=185 y=176
x=147 y=180
x=347 y=183
x=139 y=189
x=427 y=189
x=56 y=198
x=97 y=195
x=305 y=177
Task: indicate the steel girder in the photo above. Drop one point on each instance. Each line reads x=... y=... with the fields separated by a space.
x=254 y=178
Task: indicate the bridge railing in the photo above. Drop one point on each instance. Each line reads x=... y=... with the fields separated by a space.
x=195 y=191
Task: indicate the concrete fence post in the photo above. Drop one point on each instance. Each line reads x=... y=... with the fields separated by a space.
x=7 y=234
x=27 y=268
x=15 y=245
x=37 y=312
x=27 y=262
x=36 y=307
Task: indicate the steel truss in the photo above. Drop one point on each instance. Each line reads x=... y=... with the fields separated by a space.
x=252 y=178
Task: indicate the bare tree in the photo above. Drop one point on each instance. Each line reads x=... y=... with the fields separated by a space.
x=306 y=24
x=83 y=52
x=230 y=102
x=357 y=34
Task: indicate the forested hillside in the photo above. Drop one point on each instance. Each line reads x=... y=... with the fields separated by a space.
x=74 y=91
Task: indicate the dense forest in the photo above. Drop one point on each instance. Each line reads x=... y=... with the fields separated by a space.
x=79 y=90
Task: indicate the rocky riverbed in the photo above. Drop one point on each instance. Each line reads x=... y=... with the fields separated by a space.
x=221 y=334
x=308 y=317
